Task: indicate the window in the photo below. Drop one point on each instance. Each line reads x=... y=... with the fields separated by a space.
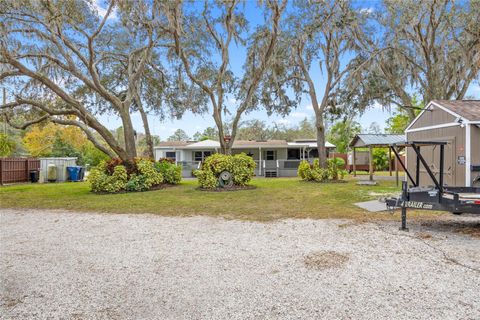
x=197 y=156
x=270 y=155
x=201 y=155
x=170 y=155
x=293 y=154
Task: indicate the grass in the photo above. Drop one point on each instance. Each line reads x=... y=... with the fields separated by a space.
x=272 y=199
x=381 y=173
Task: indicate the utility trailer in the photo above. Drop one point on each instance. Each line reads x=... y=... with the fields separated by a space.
x=438 y=197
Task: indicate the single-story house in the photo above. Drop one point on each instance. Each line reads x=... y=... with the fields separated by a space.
x=457 y=123
x=274 y=158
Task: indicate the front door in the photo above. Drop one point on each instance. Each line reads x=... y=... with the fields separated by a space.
x=270 y=159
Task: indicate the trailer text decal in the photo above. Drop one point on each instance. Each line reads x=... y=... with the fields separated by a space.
x=417 y=205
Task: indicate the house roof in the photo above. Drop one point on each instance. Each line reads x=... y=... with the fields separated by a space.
x=376 y=140
x=211 y=144
x=468 y=109
x=173 y=143
x=259 y=143
x=310 y=144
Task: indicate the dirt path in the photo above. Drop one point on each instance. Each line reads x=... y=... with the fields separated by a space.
x=93 y=266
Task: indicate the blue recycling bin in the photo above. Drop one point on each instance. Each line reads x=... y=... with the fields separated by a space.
x=74 y=173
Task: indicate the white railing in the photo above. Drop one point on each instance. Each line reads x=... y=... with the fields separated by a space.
x=289 y=164
x=188 y=167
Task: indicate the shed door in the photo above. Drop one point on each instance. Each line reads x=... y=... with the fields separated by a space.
x=431 y=154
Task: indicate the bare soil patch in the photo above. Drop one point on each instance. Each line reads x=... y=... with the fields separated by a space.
x=325 y=260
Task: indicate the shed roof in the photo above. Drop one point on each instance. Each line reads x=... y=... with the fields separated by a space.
x=468 y=109
x=376 y=140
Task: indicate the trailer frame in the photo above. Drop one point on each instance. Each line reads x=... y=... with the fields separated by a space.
x=438 y=197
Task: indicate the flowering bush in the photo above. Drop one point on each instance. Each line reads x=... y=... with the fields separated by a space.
x=144 y=174
x=240 y=166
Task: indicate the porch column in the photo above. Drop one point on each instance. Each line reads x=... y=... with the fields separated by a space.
x=390 y=161
x=354 y=164
x=260 y=161
x=370 y=162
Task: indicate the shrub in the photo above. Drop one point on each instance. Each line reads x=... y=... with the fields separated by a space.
x=304 y=170
x=111 y=164
x=100 y=181
x=241 y=166
x=152 y=176
x=340 y=163
x=141 y=175
x=243 y=169
x=380 y=159
x=171 y=172
x=313 y=172
x=136 y=183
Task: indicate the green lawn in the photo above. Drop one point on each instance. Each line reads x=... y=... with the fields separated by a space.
x=273 y=198
x=380 y=173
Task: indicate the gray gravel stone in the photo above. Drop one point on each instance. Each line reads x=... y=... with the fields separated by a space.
x=63 y=265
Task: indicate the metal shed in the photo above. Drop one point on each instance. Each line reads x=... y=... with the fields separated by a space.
x=372 y=141
x=61 y=163
x=456 y=122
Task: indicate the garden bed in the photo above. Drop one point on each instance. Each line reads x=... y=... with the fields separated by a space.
x=234 y=188
x=153 y=188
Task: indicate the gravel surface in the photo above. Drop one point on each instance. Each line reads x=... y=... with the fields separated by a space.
x=62 y=265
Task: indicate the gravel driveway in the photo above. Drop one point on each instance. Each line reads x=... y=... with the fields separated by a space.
x=61 y=265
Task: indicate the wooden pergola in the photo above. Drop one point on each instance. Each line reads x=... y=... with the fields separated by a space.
x=372 y=141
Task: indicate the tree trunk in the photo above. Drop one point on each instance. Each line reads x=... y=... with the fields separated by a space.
x=322 y=151
x=129 y=135
x=148 y=135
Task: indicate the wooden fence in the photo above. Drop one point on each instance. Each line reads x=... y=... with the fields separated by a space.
x=14 y=170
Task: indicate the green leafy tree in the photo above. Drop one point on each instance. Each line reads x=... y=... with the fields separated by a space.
x=342 y=132
x=205 y=56
x=254 y=130
x=179 y=135
x=401 y=119
x=209 y=133
x=321 y=35
x=67 y=64
x=7 y=145
x=429 y=49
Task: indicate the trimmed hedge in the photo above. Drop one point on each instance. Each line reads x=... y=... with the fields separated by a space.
x=241 y=166
x=313 y=172
x=144 y=174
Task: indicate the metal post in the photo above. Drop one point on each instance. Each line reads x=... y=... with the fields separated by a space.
x=403 y=166
x=427 y=168
x=417 y=170
x=396 y=171
x=404 y=208
x=442 y=149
